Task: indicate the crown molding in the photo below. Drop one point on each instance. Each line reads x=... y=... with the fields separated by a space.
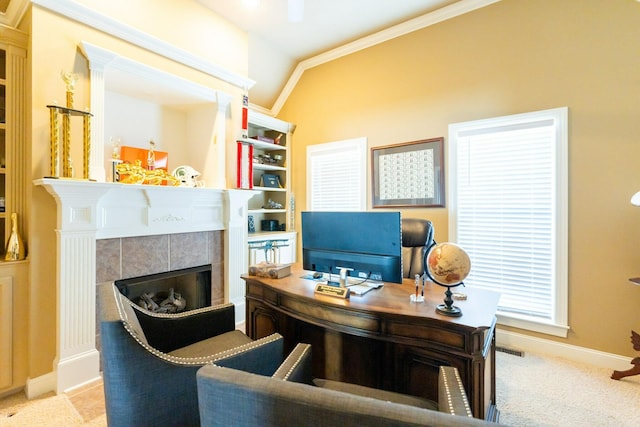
x=440 y=15
x=79 y=13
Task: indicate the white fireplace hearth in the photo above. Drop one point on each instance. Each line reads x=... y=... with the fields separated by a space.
x=89 y=211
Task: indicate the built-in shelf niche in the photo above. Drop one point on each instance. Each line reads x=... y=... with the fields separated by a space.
x=135 y=102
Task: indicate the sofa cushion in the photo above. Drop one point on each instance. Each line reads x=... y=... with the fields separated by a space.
x=374 y=393
x=213 y=345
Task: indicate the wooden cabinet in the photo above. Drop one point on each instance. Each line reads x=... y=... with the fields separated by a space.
x=271 y=210
x=3 y=141
x=14 y=193
x=13 y=131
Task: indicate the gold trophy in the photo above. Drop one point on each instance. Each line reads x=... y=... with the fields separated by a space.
x=55 y=111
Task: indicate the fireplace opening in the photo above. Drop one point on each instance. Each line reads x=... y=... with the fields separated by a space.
x=170 y=292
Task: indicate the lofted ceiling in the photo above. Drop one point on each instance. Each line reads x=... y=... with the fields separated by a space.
x=281 y=48
x=277 y=45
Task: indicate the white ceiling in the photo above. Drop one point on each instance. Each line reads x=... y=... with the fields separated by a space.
x=280 y=50
x=276 y=45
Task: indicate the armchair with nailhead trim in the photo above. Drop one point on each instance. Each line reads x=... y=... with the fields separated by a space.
x=289 y=395
x=149 y=360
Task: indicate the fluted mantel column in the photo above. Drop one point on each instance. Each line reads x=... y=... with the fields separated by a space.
x=77 y=360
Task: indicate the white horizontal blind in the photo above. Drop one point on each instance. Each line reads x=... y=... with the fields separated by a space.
x=336 y=176
x=507 y=212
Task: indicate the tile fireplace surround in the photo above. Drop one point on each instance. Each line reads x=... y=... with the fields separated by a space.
x=182 y=225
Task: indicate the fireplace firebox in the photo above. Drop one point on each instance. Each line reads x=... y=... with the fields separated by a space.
x=192 y=286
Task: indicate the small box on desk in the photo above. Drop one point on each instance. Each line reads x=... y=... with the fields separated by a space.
x=270 y=270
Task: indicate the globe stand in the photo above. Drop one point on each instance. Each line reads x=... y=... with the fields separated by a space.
x=448 y=309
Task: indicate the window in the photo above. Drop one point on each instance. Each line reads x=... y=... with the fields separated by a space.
x=508 y=210
x=336 y=176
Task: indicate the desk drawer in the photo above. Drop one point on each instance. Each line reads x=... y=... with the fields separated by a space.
x=427 y=334
x=326 y=314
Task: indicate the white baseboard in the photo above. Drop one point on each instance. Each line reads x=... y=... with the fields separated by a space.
x=239 y=310
x=516 y=341
x=40 y=385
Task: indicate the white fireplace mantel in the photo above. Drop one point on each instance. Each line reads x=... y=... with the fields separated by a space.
x=88 y=211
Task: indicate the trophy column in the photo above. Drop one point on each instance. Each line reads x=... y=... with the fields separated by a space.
x=67 y=112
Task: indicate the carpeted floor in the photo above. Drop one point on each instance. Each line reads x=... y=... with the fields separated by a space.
x=533 y=391
x=540 y=392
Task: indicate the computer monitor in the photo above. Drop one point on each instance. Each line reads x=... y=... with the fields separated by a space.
x=367 y=243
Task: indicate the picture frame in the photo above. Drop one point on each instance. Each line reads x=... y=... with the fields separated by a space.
x=270 y=181
x=410 y=174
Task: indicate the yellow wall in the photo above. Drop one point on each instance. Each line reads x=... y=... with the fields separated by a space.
x=54 y=47
x=511 y=57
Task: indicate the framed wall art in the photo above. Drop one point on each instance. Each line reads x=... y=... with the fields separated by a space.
x=410 y=174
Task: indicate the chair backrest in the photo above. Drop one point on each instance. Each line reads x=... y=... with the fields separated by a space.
x=135 y=381
x=417 y=236
x=128 y=316
x=231 y=397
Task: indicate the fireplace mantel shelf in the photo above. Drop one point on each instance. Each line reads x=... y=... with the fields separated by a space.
x=117 y=210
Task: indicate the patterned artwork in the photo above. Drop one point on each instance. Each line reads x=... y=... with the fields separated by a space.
x=409 y=174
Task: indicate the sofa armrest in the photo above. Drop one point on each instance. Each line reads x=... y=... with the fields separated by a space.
x=297 y=367
x=452 y=398
x=167 y=332
x=261 y=357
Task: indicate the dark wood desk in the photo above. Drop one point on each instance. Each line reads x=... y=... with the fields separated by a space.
x=381 y=339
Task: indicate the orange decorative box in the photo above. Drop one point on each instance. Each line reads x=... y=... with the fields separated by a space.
x=131 y=154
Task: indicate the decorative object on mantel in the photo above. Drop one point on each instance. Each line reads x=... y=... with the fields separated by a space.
x=131 y=154
x=15 y=250
x=136 y=174
x=115 y=158
x=187 y=176
x=447 y=264
x=54 y=127
x=151 y=156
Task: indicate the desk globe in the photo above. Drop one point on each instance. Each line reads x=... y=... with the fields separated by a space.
x=447 y=264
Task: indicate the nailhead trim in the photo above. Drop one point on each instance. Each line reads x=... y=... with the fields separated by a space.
x=460 y=387
x=175 y=315
x=293 y=367
x=191 y=361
